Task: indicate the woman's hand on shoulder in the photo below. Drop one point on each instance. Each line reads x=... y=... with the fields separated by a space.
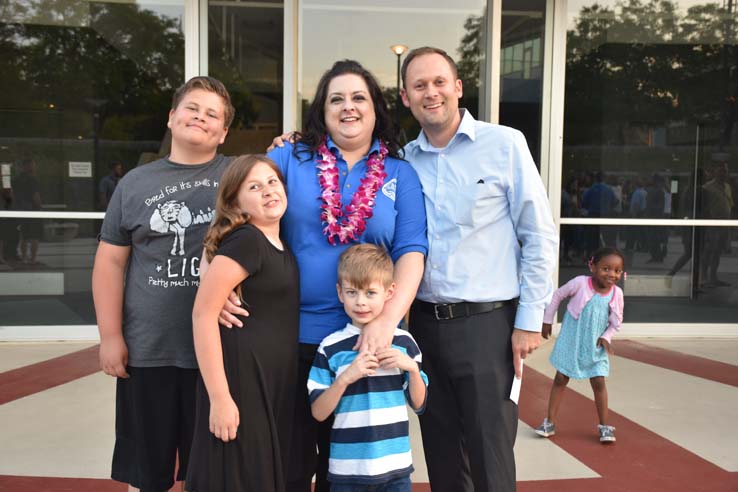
x=374 y=336
x=224 y=418
x=281 y=139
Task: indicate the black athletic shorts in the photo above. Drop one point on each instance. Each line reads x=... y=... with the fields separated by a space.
x=154 y=422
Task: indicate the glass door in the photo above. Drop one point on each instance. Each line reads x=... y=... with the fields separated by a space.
x=365 y=31
x=87 y=87
x=521 y=69
x=245 y=51
x=650 y=157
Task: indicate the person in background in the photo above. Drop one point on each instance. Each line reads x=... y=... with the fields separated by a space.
x=592 y=317
x=598 y=201
x=637 y=207
x=569 y=208
x=655 y=205
x=717 y=204
x=8 y=229
x=27 y=196
x=108 y=184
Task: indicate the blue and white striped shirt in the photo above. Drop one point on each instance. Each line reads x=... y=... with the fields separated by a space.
x=370 y=441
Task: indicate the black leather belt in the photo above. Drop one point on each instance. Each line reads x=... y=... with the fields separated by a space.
x=461 y=309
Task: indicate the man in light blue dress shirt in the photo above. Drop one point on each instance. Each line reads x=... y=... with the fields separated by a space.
x=488 y=276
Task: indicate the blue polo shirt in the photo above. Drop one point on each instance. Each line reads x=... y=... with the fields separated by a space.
x=398 y=224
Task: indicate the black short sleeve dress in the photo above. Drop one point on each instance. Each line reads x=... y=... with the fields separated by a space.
x=260 y=363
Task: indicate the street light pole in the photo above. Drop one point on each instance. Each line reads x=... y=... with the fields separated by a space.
x=398 y=49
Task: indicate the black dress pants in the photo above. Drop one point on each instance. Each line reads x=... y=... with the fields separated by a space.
x=470 y=423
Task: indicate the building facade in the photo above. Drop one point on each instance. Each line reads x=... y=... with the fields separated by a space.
x=629 y=108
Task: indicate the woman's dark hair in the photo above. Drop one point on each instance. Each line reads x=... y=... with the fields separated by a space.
x=314 y=127
x=603 y=252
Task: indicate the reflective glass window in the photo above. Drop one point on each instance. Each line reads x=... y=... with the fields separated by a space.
x=364 y=31
x=245 y=52
x=51 y=285
x=86 y=85
x=87 y=88
x=674 y=274
x=521 y=74
x=650 y=109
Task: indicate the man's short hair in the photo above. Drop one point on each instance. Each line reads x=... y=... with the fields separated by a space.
x=362 y=264
x=427 y=50
x=209 y=84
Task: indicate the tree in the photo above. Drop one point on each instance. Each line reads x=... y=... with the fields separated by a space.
x=659 y=78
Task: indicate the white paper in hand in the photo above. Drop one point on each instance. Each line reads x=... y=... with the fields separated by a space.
x=516 y=383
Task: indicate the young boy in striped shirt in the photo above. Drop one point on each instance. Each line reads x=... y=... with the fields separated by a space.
x=370 y=442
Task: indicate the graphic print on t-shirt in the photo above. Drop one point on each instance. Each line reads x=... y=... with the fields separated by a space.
x=181 y=212
x=172 y=216
x=161 y=211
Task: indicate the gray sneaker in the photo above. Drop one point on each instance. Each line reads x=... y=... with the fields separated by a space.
x=546 y=429
x=607 y=433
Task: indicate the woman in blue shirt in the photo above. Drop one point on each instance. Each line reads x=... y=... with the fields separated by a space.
x=346 y=184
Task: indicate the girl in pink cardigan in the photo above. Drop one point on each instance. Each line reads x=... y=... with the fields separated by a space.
x=592 y=316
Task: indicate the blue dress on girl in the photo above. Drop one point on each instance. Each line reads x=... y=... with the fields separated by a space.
x=576 y=353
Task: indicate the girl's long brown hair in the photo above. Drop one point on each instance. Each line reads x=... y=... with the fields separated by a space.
x=227 y=214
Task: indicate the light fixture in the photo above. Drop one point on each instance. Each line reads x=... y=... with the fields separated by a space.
x=398 y=49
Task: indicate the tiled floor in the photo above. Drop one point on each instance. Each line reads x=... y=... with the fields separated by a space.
x=674 y=403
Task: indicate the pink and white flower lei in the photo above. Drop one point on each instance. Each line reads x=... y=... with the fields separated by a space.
x=349 y=225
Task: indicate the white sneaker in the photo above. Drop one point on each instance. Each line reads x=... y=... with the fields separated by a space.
x=607 y=433
x=546 y=429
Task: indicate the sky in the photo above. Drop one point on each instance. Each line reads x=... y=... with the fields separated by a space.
x=331 y=31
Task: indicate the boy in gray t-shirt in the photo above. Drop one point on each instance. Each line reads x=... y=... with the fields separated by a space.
x=144 y=283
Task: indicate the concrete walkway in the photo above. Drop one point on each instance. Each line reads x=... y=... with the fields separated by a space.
x=674 y=403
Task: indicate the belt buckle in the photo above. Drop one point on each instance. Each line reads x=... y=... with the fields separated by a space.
x=450 y=313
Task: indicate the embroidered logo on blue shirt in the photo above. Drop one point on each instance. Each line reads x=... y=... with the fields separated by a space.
x=389 y=189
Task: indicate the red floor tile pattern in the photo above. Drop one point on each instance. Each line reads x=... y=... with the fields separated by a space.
x=25 y=381
x=9 y=483
x=640 y=460
x=713 y=370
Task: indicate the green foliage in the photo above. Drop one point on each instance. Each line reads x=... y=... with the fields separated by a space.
x=117 y=60
x=647 y=63
x=470 y=51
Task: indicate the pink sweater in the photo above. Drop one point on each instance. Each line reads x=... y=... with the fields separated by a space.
x=581 y=290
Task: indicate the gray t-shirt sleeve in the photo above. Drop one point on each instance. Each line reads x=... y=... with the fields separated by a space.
x=113 y=229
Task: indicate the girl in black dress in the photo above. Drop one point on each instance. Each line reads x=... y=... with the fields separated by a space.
x=246 y=392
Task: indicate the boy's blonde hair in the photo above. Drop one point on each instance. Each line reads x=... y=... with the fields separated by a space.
x=362 y=264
